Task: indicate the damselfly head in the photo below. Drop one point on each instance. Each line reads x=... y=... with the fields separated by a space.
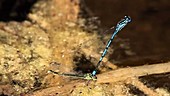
x=127 y=18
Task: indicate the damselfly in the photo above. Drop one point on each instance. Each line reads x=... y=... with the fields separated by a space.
x=92 y=76
x=87 y=76
x=121 y=24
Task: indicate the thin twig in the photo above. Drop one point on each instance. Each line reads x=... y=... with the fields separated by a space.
x=124 y=73
x=138 y=84
x=58 y=90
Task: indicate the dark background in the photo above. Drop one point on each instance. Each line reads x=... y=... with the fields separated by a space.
x=15 y=10
x=148 y=33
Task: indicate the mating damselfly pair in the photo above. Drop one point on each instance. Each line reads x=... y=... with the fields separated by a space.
x=92 y=76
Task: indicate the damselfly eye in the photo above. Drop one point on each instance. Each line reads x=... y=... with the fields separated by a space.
x=127 y=18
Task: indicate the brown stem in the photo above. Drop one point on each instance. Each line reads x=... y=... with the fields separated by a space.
x=124 y=73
